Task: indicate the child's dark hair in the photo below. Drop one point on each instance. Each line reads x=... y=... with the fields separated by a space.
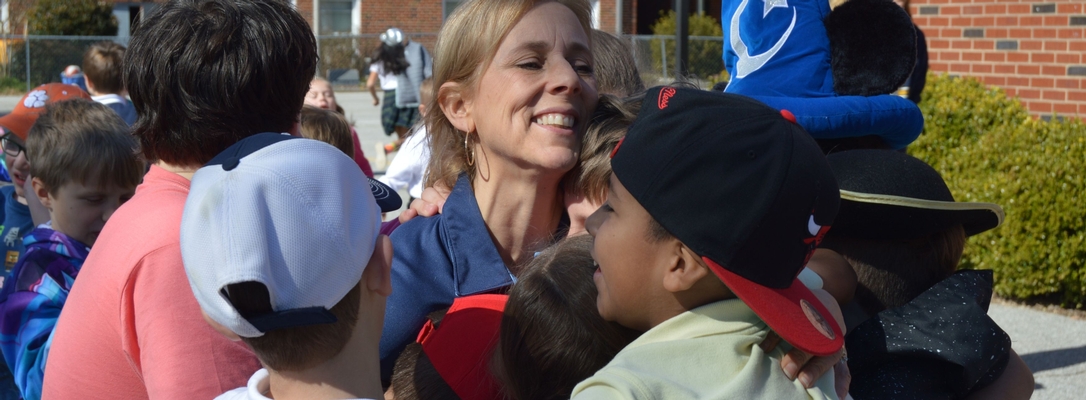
x=414 y=376
x=392 y=58
x=83 y=141
x=298 y=348
x=103 y=66
x=890 y=273
x=204 y=74
x=552 y=335
x=327 y=126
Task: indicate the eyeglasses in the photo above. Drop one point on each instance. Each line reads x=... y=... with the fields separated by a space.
x=11 y=147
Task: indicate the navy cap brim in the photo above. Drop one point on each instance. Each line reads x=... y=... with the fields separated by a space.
x=387 y=199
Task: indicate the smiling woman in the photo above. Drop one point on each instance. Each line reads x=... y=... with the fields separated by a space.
x=515 y=89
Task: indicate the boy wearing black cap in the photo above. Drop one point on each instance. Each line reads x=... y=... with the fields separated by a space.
x=701 y=249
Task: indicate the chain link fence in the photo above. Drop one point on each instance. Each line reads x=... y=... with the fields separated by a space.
x=28 y=61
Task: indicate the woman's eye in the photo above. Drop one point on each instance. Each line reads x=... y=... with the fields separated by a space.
x=585 y=69
x=531 y=65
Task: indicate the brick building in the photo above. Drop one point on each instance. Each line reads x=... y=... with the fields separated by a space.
x=426 y=16
x=1033 y=50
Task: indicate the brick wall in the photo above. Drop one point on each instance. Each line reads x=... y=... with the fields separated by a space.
x=1033 y=50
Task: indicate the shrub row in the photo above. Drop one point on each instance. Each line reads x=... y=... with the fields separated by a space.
x=989 y=149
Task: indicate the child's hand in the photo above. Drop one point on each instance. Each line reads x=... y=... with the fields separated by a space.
x=376 y=101
x=431 y=203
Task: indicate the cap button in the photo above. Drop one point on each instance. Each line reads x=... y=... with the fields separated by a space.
x=788 y=116
x=230 y=163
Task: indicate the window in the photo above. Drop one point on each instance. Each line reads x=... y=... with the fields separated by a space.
x=448 y=6
x=335 y=16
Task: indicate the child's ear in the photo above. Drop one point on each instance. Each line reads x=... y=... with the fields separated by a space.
x=378 y=274
x=685 y=271
x=457 y=108
x=42 y=193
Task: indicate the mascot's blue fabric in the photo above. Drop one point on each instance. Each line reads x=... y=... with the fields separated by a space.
x=777 y=52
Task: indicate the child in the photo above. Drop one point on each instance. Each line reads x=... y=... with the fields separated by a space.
x=85 y=166
x=203 y=75
x=904 y=237
x=450 y=360
x=16 y=126
x=731 y=202
x=327 y=126
x=322 y=96
x=586 y=189
x=103 y=68
x=552 y=337
x=291 y=265
x=409 y=165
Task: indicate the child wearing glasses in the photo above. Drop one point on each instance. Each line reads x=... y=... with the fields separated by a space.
x=16 y=214
x=85 y=166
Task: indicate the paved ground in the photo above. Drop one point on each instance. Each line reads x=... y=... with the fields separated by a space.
x=1053 y=346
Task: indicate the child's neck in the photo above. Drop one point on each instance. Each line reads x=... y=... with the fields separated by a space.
x=353 y=373
x=185 y=172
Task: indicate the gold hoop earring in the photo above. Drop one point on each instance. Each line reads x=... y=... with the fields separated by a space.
x=469 y=152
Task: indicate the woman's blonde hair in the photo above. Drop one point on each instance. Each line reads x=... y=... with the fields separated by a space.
x=466 y=45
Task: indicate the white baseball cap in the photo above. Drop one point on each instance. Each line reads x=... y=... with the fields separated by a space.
x=296 y=215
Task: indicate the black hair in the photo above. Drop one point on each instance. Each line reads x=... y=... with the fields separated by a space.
x=392 y=58
x=204 y=74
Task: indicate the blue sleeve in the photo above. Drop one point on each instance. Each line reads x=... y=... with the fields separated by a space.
x=896 y=120
x=27 y=318
x=422 y=282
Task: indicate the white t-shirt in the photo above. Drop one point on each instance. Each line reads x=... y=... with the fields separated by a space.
x=388 y=79
x=257 y=389
x=409 y=165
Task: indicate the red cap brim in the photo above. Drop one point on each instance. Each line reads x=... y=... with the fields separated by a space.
x=794 y=313
x=460 y=346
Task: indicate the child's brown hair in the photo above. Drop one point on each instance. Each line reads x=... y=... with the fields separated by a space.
x=552 y=335
x=298 y=348
x=329 y=127
x=83 y=141
x=103 y=67
x=609 y=123
x=615 y=70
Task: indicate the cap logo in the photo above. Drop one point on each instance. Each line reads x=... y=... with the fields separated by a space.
x=665 y=95
x=817 y=320
x=617 y=145
x=817 y=233
x=36 y=99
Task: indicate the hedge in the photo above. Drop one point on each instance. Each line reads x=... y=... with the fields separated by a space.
x=989 y=149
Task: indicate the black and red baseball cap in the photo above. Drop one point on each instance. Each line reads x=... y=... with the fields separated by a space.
x=744 y=187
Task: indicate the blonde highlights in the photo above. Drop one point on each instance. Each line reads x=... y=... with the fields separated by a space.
x=465 y=47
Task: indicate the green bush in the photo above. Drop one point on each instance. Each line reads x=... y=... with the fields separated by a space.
x=989 y=149
x=706 y=58
x=72 y=18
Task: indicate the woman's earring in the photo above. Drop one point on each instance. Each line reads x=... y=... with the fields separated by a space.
x=469 y=152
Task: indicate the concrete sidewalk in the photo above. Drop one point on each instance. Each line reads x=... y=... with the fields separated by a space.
x=1053 y=346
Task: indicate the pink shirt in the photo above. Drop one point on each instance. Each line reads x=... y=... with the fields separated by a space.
x=131 y=328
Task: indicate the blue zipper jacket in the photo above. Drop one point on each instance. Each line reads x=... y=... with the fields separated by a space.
x=435 y=260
